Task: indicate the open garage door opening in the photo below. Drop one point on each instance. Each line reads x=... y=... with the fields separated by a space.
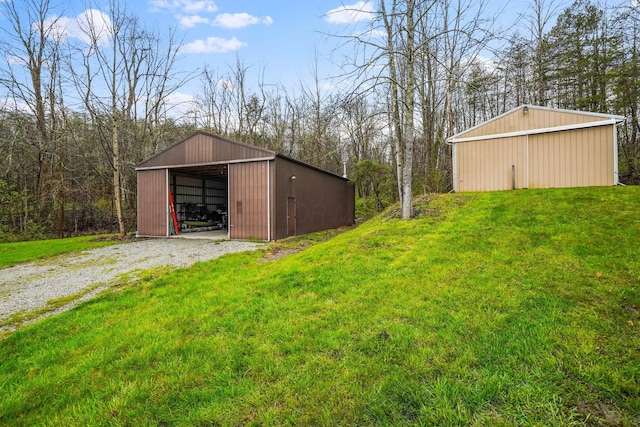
x=201 y=199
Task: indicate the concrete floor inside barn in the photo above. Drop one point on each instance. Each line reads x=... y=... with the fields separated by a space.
x=211 y=235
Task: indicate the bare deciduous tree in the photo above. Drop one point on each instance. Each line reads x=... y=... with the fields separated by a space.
x=127 y=76
x=31 y=76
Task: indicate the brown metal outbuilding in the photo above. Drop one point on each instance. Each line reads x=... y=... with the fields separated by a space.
x=266 y=195
x=537 y=147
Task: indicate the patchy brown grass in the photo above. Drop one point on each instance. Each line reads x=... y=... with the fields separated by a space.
x=429 y=205
x=599 y=414
x=291 y=245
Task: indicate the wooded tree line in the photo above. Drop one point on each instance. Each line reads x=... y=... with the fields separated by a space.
x=77 y=115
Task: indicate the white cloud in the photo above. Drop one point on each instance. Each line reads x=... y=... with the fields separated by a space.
x=372 y=34
x=226 y=84
x=180 y=98
x=348 y=14
x=186 y=6
x=180 y=105
x=198 y=6
x=92 y=23
x=58 y=27
x=191 y=21
x=213 y=45
x=239 y=20
x=88 y=25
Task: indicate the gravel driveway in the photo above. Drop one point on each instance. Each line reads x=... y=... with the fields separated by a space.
x=28 y=287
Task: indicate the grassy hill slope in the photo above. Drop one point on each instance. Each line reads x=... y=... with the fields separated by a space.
x=510 y=308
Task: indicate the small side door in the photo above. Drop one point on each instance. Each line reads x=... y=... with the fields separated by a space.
x=291 y=216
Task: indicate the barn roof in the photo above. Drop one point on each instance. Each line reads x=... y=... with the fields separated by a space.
x=199 y=148
x=532 y=119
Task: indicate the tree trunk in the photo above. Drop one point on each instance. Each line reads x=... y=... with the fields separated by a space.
x=117 y=187
x=400 y=145
x=409 y=105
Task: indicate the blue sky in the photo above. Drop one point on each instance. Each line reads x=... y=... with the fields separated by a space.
x=279 y=38
x=276 y=38
x=270 y=30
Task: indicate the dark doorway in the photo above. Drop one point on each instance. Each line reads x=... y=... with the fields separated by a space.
x=201 y=197
x=291 y=216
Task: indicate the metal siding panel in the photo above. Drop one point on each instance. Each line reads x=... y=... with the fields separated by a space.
x=601 y=135
x=480 y=155
x=204 y=148
x=233 y=200
x=475 y=161
x=201 y=149
x=152 y=210
x=591 y=165
x=523 y=160
x=556 y=152
x=487 y=165
x=573 y=149
x=539 y=153
x=495 y=162
x=548 y=160
x=493 y=159
x=533 y=165
x=604 y=174
x=586 y=173
x=248 y=185
x=605 y=141
x=534 y=119
x=460 y=162
x=574 y=158
x=545 y=156
x=595 y=153
x=555 y=159
x=459 y=167
x=601 y=141
x=476 y=154
x=174 y=156
x=462 y=155
x=272 y=196
x=581 y=158
x=573 y=153
x=323 y=201
x=470 y=159
x=568 y=171
x=608 y=142
x=192 y=148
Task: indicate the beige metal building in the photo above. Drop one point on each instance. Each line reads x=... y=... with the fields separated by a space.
x=537 y=147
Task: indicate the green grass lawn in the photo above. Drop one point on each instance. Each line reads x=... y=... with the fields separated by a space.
x=509 y=308
x=15 y=253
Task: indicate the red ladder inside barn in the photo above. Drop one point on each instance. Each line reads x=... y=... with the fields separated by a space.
x=172 y=208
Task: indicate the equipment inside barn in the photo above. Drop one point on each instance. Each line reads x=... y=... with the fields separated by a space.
x=201 y=203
